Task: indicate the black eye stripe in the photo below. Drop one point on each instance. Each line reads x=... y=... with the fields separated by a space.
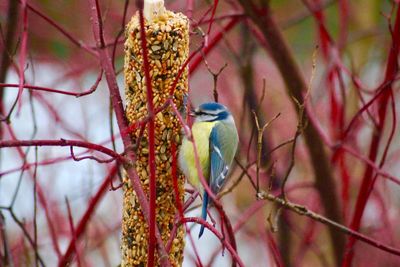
x=204 y=113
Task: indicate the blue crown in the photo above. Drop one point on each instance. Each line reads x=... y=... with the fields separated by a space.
x=212 y=106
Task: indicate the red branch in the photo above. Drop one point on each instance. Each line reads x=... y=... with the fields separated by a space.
x=189 y=9
x=72 y=228
x=274 y=250
x=62 y=142
x=196 y=62
x=87 y=216
x=51 y=90
x=233 y=252
x=22 y=53
x=241 y=221
x=42 y=199
x=335 y=146
x=212 y=16
x=151 y=132
x=75 y=41
x=369 y=176
x=174 y=173
x=343 y=22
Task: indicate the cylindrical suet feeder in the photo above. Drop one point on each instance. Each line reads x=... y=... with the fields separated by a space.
x=167 y=35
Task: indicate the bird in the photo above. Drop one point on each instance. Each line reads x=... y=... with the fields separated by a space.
x=216 y=139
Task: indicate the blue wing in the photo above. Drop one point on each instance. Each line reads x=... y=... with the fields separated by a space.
x=219 y=163
x=218 y=168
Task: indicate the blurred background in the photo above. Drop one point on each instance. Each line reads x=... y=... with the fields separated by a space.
x=43 y=190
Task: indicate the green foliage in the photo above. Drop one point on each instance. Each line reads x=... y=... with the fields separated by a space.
x=59 y=49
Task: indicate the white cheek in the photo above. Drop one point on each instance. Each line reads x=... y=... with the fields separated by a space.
x=205 y=118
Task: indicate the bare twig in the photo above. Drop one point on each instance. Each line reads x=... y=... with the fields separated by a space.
x=302 y=124
x=23 y=228
x=302 y=210
x=12 y=19
x=260 y=132
x=61 y=142
x=215 y=78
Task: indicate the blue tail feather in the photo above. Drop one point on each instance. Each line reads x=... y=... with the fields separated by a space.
x=204 y=212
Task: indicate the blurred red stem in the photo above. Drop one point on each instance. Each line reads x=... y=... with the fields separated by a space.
x=174 y=174
x=241 y=221
x=212 y=16
x=343 y=22
x=336 y=146
x=51 y=90
x=22 y=53
x=72 y=228
x=61 y=142
x=215 y=40
x=75 y=158
x=233 y=252
x=274 y=249
x=80 y=229
x=78 y=43
x=369 y=176
x=189 y=8
x=218 y=18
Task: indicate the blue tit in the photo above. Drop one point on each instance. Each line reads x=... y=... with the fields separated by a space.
x=216 y=139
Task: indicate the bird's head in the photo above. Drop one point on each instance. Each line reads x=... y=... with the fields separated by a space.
x=210 y=112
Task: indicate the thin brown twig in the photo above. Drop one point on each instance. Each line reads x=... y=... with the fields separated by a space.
x=5 y=256
x=303 y=211
x=260 y=133
x=22 y=226
x=300 y=126
x=12 y=19
x=215 y=78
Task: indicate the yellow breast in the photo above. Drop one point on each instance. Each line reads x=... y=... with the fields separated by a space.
x=201 y=133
